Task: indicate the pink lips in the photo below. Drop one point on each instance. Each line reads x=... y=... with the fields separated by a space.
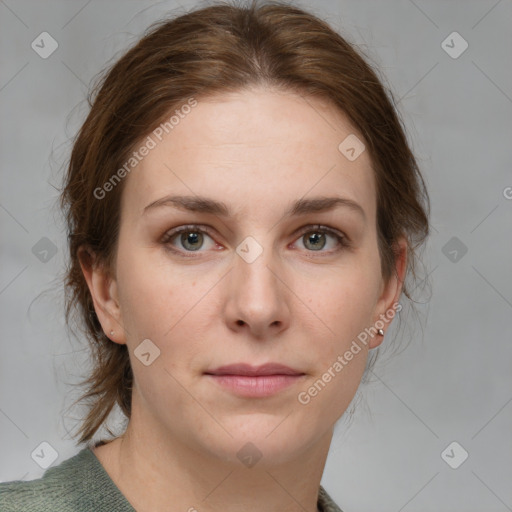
x=255 y=381
x=247 y=369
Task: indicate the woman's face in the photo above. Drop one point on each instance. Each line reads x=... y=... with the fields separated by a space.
x=258 y=283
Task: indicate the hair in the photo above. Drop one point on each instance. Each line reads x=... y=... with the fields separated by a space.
x=212 y=50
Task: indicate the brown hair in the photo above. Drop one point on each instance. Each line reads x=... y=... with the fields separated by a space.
x=216 y=49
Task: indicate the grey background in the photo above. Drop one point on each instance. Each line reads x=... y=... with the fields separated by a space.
x=454 y=380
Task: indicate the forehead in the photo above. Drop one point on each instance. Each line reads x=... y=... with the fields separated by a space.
x=252 y=148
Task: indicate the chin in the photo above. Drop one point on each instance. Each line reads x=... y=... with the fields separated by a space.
x=261 y=440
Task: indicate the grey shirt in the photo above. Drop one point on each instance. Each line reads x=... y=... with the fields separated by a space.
x=81 y=483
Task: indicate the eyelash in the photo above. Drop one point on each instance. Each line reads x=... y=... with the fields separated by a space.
x=344 y=242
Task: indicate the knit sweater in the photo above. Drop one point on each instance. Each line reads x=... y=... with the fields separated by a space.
x=81 y=484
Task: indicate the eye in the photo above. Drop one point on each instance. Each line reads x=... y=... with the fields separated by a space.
x=190 y=237
x=315 y=238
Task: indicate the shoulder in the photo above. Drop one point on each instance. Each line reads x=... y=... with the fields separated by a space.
x=77 y=484
x=33 y=496
x=326 y=503
x=61 y=488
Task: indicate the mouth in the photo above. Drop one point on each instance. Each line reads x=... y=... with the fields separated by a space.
x=255 y=381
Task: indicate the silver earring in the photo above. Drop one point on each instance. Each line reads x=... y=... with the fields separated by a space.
x=381 y=332
x=111 y=333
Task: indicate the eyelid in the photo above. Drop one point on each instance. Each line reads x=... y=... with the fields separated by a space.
x=323 y=228
x=186 y=227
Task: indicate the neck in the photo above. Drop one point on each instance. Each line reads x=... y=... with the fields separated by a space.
x=153 y=471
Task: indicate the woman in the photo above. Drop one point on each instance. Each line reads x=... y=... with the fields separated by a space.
x=243 y=209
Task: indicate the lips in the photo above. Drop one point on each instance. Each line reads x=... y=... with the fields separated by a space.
x=254 y=371
x=246 y=381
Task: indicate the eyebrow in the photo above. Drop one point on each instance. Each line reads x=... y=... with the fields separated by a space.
x=299 y=207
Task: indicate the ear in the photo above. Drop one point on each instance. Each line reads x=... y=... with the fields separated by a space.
x=103 y=289
x=390 y=291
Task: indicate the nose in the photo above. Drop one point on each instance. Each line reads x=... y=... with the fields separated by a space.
x=257 y=299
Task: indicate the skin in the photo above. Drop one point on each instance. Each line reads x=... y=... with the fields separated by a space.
x=258 y=151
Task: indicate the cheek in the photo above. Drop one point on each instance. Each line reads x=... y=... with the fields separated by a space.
x=342 y=303
x=324 y=398
x=170 y=306
x=340 y=356
x=343 y=308
x=151 y=293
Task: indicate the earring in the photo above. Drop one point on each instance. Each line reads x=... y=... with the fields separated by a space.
x=111 y=333
x=381 y=332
